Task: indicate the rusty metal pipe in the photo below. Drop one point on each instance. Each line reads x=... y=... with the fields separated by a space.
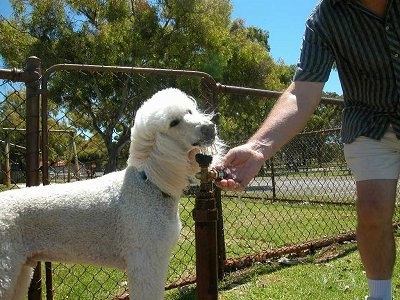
x=33 y=150
x=205 y=216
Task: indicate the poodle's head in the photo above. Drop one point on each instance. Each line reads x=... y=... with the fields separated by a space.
x=168 y=131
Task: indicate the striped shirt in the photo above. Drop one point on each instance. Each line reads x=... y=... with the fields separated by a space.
x=366 y=49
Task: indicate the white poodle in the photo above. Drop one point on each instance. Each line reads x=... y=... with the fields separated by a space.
x=127 y=219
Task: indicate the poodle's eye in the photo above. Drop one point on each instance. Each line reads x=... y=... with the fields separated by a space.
x=189 y=112
x=174 y=123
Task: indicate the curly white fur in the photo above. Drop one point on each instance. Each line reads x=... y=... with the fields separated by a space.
x=127 y=219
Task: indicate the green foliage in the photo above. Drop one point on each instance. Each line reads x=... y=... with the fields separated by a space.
x=176 y=34
x=12 y=112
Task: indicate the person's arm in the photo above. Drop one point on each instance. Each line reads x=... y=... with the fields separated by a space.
x=287 y=118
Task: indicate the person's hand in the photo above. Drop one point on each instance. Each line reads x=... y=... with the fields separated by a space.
x=241 y=164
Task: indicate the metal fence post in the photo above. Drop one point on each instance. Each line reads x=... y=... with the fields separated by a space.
x=221 y=249
x=45 y=173
x=205 y=215
x=210 y=92
x=32 y=149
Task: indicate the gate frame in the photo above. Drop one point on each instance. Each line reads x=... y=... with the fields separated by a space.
x=209 y=85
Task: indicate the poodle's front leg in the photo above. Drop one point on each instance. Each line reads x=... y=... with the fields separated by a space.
x=147 y=275
x=14 y=278
x=23 y=282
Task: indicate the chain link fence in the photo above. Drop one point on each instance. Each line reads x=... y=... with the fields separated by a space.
x=12 y=134
x=302 y=198
x=90 y=112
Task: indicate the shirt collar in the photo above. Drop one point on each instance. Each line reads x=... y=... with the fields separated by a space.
x=345 y=1
x=334 y=2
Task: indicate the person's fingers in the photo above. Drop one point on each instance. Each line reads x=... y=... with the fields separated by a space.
x=237 y=186
x=221 y=183
x=230 y=184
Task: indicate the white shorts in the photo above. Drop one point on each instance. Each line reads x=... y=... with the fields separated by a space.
x=372 y=159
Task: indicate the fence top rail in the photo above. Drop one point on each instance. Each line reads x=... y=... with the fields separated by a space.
x=314 y=132
x=121 y=69
x=17 y=75
x=266 y=93
x=140 y=70
x=40 y=130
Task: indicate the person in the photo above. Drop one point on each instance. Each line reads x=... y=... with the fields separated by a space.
x=362 y=37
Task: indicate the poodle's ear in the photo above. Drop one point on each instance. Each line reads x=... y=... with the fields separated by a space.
x=142 y=143
x=139 y=152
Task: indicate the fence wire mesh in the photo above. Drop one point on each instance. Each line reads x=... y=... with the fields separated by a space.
x=304 y=193
x=90 y=114
x=12 y=135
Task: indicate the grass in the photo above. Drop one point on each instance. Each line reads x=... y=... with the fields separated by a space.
x=86 y=282
x=255 y=225
x=334 y=279
x=332 y=273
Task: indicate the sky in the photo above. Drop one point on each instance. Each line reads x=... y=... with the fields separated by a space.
x=283 y=19
x=285 y=22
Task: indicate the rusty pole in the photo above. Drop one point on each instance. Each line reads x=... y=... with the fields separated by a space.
x=205 y=216
x=32 y=122
x=32 y=149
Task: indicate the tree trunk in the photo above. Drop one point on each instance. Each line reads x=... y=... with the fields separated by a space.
x=113 y=151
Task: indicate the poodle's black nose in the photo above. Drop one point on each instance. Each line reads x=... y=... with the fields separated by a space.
x=208 y=131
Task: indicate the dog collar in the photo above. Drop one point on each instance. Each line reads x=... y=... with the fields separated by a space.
x=143 y=175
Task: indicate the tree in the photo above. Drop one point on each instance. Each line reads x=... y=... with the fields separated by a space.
x=12 y=136
x=190 y=34
x=250 y=65
x=112 y=33
x=13 y=130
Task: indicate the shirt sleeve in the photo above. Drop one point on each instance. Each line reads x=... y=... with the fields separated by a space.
x=316 y=57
